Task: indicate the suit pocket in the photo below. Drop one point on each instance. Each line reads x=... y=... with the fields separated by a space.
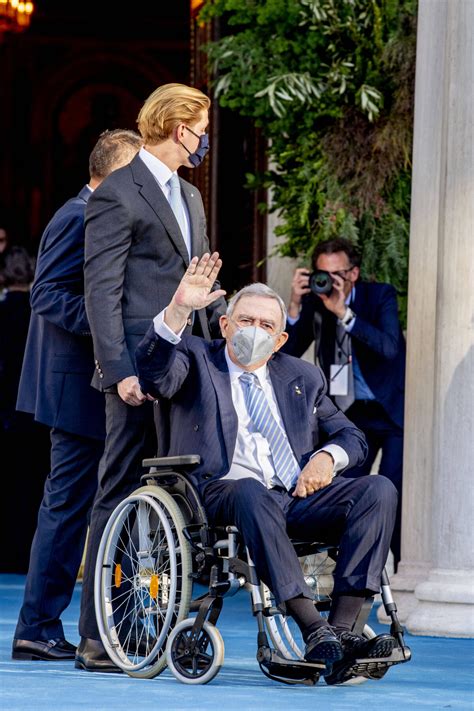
x=72 y=364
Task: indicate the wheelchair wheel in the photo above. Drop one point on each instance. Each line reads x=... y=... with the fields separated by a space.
x=203 y=663
x=143 y=580
x=284 y=633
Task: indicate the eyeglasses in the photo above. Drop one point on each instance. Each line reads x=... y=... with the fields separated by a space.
x=341 y=272
x=268 y=326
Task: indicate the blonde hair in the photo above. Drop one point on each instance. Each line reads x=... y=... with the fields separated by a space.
x=168 y=106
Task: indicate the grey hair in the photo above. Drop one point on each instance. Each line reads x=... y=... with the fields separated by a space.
x=258 y=289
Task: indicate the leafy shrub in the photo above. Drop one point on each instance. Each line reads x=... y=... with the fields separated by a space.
x=330 y=83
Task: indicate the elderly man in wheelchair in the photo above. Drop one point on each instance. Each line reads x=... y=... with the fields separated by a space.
x=244 y=497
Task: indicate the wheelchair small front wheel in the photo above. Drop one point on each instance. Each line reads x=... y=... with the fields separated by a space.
x=200 y=664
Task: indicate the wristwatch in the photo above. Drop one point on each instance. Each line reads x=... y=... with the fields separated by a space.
x=348 y=317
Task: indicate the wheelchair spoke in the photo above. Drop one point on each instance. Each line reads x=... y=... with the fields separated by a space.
x=140 y=578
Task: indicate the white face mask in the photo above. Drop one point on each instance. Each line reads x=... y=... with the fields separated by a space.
x=252 y=344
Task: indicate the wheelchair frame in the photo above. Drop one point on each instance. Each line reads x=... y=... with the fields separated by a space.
x=157 y=541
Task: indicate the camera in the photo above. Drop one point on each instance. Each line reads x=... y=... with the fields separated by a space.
x=320 y=282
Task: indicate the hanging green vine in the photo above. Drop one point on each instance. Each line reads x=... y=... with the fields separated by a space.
x=330 y=83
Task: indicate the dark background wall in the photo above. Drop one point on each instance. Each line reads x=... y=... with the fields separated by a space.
x=80 y=68
x=86 y=66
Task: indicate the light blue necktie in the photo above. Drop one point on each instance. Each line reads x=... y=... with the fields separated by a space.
x=261 y=416
x=176 y=202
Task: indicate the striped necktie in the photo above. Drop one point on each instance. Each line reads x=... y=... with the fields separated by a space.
x=265 y=423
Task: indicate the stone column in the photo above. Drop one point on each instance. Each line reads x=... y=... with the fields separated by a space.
x=280 y=272
x=438 y=500
x=279 y=269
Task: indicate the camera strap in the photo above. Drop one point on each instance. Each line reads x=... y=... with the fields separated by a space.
x=341 y=382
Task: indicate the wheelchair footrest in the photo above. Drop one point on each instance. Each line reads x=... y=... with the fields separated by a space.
x=368 y=668
x=288 y=671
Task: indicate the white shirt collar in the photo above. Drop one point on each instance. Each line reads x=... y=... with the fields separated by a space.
x=160 y=171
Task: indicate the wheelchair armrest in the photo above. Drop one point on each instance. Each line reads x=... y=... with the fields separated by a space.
x=187 y=460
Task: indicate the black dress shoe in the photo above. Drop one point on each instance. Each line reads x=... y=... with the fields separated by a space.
x=53 y=650
x=91 y=656
x=356 y=646
x=323 y=646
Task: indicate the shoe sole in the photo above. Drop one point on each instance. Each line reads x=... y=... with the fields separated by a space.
x=26 y=656
x=382 y=648
x=361 y=671
x=357 y=668
x=106 y=669
x=326 y=652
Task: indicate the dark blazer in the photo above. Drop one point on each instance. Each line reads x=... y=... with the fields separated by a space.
x=58 y=364
x=134 y=260
x=377 y=341
x=194 y=375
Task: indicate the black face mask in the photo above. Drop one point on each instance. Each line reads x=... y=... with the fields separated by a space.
x=196 y=158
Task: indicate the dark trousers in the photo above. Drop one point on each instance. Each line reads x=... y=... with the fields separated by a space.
x=58 y=543
x=381 y=434
x=130 y=438
x=355 y=514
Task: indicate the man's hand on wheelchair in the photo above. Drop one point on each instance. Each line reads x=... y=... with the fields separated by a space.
x=317 y=474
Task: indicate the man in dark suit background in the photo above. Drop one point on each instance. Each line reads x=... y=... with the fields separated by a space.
x=55 y=386
x=143 y=225
x=20 y=483
x=357 y=335
x=271 y=444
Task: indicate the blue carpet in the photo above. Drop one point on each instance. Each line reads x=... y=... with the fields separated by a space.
x=440 y=675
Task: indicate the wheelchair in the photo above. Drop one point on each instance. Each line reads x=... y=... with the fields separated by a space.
x=158 y=545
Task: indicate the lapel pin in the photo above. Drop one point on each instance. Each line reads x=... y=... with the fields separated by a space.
x=297 y=390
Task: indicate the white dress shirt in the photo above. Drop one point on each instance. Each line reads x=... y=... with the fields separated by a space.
x=252 y=456
x=162 y=174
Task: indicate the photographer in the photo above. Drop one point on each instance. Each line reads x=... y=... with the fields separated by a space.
x=360 y=346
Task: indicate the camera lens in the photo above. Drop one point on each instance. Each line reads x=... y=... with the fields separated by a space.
x=320 y=282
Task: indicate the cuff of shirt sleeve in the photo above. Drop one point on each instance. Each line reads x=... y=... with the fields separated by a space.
x=350 y=325
x=348 y=319
x=339 y=455
x=164 y=331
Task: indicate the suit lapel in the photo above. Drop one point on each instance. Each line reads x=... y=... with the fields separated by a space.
x=189 y=194
x=220 y=380
x=153 y=194
x=289 y=392
x=290 y=395
x=360 y=299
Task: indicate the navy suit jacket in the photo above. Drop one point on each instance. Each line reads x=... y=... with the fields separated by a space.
x=376 y=337
x=194 y=376
x=58 y=364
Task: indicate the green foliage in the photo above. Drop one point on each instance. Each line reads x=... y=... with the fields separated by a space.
x=330 y=83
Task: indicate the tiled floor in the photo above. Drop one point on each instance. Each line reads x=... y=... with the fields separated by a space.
x=440 y=675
